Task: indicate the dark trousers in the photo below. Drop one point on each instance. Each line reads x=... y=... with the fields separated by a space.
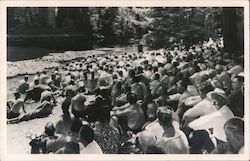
x=11 y=115
x=200 y=142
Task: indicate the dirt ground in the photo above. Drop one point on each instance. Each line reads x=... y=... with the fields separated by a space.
x=16 y=133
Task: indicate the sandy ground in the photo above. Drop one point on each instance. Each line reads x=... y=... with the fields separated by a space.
x=16 y=133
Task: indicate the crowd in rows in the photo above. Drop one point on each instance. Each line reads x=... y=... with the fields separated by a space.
x=169 y=101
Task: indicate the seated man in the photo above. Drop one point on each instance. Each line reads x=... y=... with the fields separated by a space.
x=145 y=140
x=173 y=140
x=38 y=144
x=36 y=91
x=14 y=107
x=156 y=127
x=215 y=120
x=134 y=113
x=122 y=99
x=202 y=108
x=86 y=137
x=64 y=124
x=77 y=105
x=167 y=136
x=59 y=144
x=234 y=129
x=237 y=96
x=24 y=85
x=43 y=110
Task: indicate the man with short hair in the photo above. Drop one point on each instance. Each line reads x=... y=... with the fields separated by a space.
x=77 y=105
x=86 y=137
x=234 y=129
x=133 y=111
x=237 y=96
x=24 y=86
x=215 y=120
x=168 y=136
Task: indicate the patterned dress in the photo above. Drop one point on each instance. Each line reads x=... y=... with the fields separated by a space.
x=107 y=138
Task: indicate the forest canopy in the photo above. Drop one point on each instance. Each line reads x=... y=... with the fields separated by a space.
x=154 y=27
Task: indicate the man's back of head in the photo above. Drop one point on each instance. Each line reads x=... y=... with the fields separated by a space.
x=86 y=135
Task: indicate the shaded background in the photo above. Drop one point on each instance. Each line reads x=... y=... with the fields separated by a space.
x=35 y=31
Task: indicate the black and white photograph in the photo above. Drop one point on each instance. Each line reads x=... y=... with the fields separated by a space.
x=133 y=80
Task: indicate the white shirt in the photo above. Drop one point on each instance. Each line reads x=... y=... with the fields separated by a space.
x=91 y=148
x=177 y=144
x=193 y=100
x=156 y=129
x=204 y=107
x=215 y=120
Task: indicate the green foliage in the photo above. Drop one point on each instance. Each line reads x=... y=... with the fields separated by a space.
x=118 y=25
x=156 y=27
x=190 y=24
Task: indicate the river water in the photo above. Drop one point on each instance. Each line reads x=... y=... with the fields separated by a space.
x=17 y=53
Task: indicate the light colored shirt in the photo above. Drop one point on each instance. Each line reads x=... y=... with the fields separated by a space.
x=177 y=144
x=77 y=102
x=215 y=120
x=156 y=129
x=175 y=97
x=204 y=107
x=193 y=100
x=91 y=148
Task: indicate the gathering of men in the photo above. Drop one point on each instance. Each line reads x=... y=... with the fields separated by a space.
x=171 y=101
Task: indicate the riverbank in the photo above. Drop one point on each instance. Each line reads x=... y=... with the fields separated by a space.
x=52 y=60
x=46 y=62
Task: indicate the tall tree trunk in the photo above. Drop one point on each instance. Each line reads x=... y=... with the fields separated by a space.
x=229 y=30
x=52 y=17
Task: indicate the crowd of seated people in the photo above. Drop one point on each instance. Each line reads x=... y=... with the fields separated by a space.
x=171 y=101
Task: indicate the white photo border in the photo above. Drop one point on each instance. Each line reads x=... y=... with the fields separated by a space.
x=116 y=3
